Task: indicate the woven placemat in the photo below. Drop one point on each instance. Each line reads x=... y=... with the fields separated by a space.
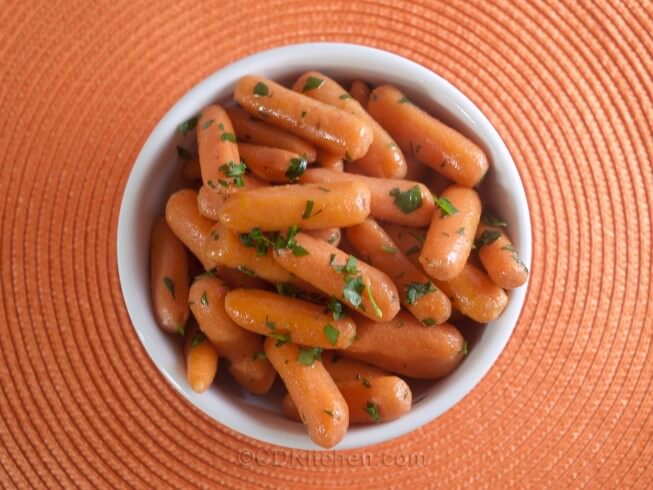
x=568 y=86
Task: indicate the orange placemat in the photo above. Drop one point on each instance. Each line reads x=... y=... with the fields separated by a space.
x=567 y=84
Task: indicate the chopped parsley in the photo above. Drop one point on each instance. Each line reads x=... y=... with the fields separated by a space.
x=312 y=83
x=366 y=383
x=207 y=124
x=487 y=237
x=331 y=333
x=197 y=339
x=235 y=171
x=416 y=290
x=377 y=310
x=228 y=137
x=461 y=231
x=308 y=212
x=353 y=291
x=429 y=322
x=181 y=330
x=345 y=96
x=407 y=201
x=328 y=412
x=303 y=114
x=336 y=308
x=170 y=284
x=184 y=153
x=372 y=410
x=281 y=338
x=296 y=168
x=261 y=89
x=187 y=126
x=464 y=349
x=389 y=250
x=404 y=100
x=256 y=239
x=324 y=189
x=204 y=300
x=308 y=355
x=446 y=207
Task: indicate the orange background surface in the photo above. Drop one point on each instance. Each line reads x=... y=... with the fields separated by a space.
x=567 y=84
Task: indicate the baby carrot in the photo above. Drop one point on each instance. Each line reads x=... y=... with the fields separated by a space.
x=407 y=347
x=499 y=257
x=360 y=91
x=326 y=126
x=216 y=145
x=272 y=164
x=311 y=207
x=168 y=277
x=330 y=235
x=451 y=234
x=330 y=161
x=384 y=158
x=201 y=360
x=320 y=405
x=342 y=276
x=244 y=350
x=433 y=143
x=474 y=294
x=394 y=200
x=186 y=222
x=249 y=130
x=210 y=201
x=295 y=320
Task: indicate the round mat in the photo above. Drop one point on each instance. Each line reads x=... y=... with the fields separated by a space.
x=567 y=84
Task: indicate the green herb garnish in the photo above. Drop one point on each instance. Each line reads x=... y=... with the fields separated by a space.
x=416 y=290
x=207 y=124
x=407 y=201
x=487 y=237
x=366 y=383
x=446 y=207
x=281 y=338
x=235 y=171
x=336 y=308
x=181 y=330
x=187 y=126
x=184 y=153
x=261 y=89
x=312 y=83
x=197 y=339
x=404 y=100
x=204 y=300
x=308 y=355
x=345 y=96
x=353 y=290
x=372 y=410
x=328 y=412
x=296 y=168
x=377 y=310
x=170 y=284
x=331 y=333
x=491 y=219
x=429 y=322
x=464 y=349
x=389 y=250
x=308 y=212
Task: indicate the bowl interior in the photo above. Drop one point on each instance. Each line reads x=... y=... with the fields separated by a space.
x=157 y=172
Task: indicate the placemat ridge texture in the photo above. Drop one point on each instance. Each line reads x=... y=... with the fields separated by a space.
x=568 y=86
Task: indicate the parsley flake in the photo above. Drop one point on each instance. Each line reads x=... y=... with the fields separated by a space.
x=281 y=338
x=228 y=137
x=296 y=168
x=389 y=250
x=170 y=284
x=312 y=83
x=416 y=290
x=198 y=338
x=187 y=126
x=446 y=207
x=308 y=355
x=487 y=237
x=407 y=201
x=331 y=333
x=184 y=153
x=372 y=410
x=261 y=89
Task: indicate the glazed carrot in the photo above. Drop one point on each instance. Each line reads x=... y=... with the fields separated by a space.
x=417 y=293
x=311 y=207
x=433 y=143
x=337 y=274
x=381 y=399
x=249 y=130
x=407 y=347
x=295 y=320
x=360 y=91
x=244 y=350
x=320 y=405
x=210 y=201
x=216 y=145
x=168 y=277
x=330 y=235
x=451 y=234
x=186 y=222
x=328 y=160
x=201 y=360
x=408 y=239
x=398 y=201
x=345 y=369
x=226 y=248
x=474 y=294
x=272 y=164
x=236 y=279
x=384 y=158
x=326 y=126
x=191 y=170
x=499 y=257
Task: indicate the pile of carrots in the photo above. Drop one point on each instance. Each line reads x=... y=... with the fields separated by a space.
x=338 y=281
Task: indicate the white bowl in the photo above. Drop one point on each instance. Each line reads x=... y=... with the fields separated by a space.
x=157 y=172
